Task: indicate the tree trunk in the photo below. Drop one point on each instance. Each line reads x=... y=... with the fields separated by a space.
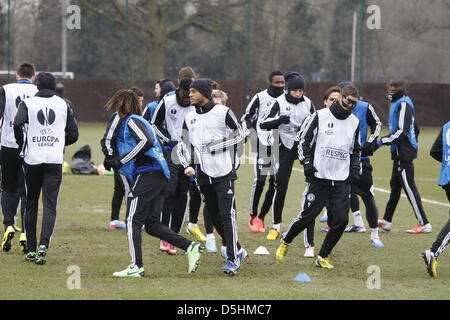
x=155 y=61
x=276 y=24
x=157 y=41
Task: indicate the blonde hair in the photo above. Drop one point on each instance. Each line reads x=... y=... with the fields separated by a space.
x=221 y=95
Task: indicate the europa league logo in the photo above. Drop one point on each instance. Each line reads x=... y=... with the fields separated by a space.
x=47 y=118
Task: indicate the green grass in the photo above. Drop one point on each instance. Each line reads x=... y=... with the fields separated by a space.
x=81 y=238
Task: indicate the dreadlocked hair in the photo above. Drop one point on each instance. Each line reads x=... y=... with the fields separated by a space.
x=125 y=102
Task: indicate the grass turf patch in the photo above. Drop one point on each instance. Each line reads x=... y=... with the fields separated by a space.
x=81 y=238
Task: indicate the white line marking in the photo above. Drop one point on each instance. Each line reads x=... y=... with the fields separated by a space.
x=384 y=190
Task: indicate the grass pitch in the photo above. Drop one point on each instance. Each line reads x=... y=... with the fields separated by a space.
x=82 y=239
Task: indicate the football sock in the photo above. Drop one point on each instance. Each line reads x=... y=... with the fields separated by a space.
x=192 y=225
x=374 y=233
x=358 y=221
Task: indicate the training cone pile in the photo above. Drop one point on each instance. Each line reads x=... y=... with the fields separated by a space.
x=261 y=251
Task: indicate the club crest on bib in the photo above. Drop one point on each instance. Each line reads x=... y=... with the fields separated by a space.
x=310 y=197
x=47 y=117
x=19 y=99
x=330 y=131
x=46 y=131
x=173 y=114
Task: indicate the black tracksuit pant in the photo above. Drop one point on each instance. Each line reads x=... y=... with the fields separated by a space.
x=363 y=189
x=221 y=204
x=308 y=235
x=13 y=185
x=176 y=197
x=264 y=165
x=315 y=200
x=195 y=203
x=118 y=196
x=144 y=205
x=286 y=161
x=403 y=177
x=444 y=236
x=354 y=202
x=48 y=178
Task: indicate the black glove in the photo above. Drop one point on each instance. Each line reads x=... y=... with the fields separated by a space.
x=116 y=164
x=108 y=162
x=284 y=119
x=368 y=149
x=354 y=176
x=377 y=144
x=273 y=124
x=308 y=168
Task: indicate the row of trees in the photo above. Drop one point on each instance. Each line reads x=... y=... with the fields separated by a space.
x=2 y=34
x=235 y=39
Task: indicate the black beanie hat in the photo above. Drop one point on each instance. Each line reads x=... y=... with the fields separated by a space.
x=295 y=81
x=46 y=80
x=166 y=87
x=290 y=74
x=204 y=86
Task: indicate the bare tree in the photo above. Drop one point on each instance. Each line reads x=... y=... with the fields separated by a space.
x=150 y=23
x=25 y=16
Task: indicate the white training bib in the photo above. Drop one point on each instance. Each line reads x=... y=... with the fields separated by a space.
x=297 y=113
x=45 y=134
x=175 y=115
x=265 y=104
x=334 y=145
x=204 y=129
x=14 y=94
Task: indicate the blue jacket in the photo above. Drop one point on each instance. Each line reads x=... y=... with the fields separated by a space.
x=360 y=111
x=444 y=178
x=394 y=117
x=150 y=108
x=126 y=143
